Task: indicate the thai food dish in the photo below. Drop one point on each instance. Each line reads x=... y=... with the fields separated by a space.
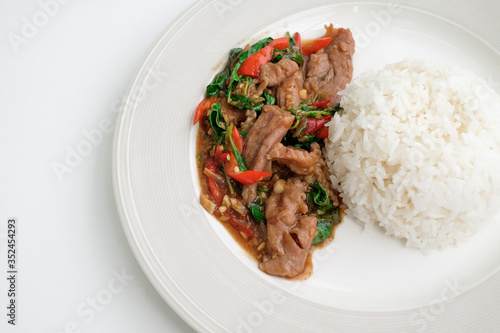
x=259 y=149
x=288 y=142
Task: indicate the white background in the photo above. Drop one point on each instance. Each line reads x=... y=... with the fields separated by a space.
x=64 y=67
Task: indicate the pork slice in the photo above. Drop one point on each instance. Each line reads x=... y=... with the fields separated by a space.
x=298 y=160
x=289 y=232
x=230 y=113
x=275 y=73
x=269 y=129
x=287 y=94
x=330 y=70
x=318 y=66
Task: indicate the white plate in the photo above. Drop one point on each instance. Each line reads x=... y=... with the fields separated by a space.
x=361 y=281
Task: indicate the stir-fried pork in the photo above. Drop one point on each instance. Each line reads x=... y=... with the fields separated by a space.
x=289 y=232
x=275 y=73
x=269 y=129
x=329 y=71
x=287 y=93
x=298 y=160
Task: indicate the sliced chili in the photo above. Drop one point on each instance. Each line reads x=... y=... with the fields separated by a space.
x=213 y=187
x=237 y=139
x=244 y=177
x=298 y=40
x=322 y=104
x=322 y=133
x=314 y=125
x=202 y=108
x=251 y=66
x=316 y=45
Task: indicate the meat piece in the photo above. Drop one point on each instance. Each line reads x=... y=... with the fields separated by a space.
x=330 y=70
x=319 y=66
x=274 y=73
x=269 y=129
x=230 y=113
x=289 y=234
x=287 y=94
x=298 y=160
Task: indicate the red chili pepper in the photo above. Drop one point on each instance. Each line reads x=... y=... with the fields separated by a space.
x=244 y=177
x=239 y=224
x=250 y=177
x=314 y=125
x=279 y=43
x=212 y=185
x=298 y=40
x=219 y=157
x=316 y=45
x=322 y=133
x=251 y=66
x=322 y=104
x=237 y=139
x=202 y=108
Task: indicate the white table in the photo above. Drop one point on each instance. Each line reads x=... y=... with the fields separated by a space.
x=64 y=67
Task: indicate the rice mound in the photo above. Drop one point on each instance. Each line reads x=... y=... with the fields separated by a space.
x=417 y=151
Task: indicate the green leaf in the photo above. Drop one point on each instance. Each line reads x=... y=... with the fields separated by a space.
x=325 y=226
x=256 y=212
x=244 y=134
x=217 y=122
x=217 y=84
x=269 y=99
x=318 y=197
x=233 y=54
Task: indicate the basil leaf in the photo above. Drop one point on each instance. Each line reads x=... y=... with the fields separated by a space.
x=233 y=54
x=218 y=84
x=257 y=213
x=269 y=99
x=318 y=197
x=217 y=122
x=234 y=77
x=242 y=163
x=325 y=226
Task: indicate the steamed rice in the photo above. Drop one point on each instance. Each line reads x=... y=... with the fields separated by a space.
x=417 y=151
